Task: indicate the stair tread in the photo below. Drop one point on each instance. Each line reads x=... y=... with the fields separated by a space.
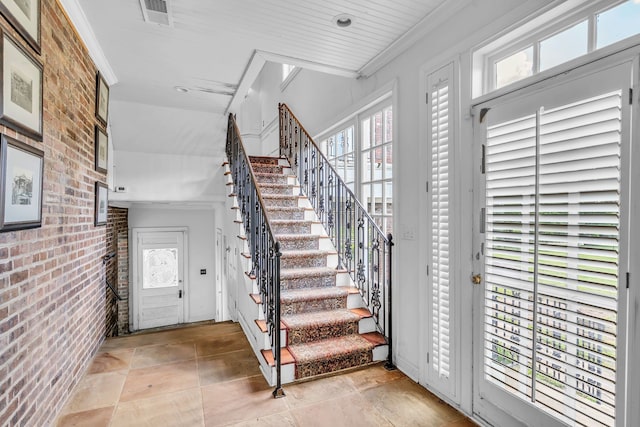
x=297 y=236
x=330 y=347
x=315 y=319
x=285 y=357
x=307 y=294
x=289 y=273
x=301 y=253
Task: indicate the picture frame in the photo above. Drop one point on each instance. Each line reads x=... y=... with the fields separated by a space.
x=21 y=99
x=102 y=202
x=21 y=184
x=24 y=17
x=102 y=99
x=101 y=150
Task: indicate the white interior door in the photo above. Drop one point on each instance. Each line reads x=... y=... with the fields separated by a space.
x=159 y=279
x=551 y=251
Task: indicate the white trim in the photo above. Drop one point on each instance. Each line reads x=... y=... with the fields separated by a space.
x=260 y=57
x=85 y=31
x=292 y=74
x=441 y=14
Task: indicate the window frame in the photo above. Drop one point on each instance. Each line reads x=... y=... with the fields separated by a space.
x=538 y=29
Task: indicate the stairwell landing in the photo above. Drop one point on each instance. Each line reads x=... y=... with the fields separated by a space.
x=324 y=325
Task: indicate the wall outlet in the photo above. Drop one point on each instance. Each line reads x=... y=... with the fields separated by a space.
x=120 y=189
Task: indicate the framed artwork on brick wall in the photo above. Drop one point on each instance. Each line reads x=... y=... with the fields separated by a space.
x=24 y=16
x=21 y=100
x=101 y=149
x=102 y=194
x=102 y=99
x=21 y=171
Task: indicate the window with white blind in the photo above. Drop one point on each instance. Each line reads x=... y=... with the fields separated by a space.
x=440 y=103
x=552 y=257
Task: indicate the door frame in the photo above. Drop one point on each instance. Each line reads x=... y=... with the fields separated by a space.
x=133 y=277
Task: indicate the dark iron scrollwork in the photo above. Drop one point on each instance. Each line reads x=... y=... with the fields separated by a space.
x=363 y=249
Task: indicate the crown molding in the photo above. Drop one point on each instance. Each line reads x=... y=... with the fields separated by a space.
x=79 y=20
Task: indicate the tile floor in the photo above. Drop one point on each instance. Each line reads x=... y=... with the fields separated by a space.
x=207 y=375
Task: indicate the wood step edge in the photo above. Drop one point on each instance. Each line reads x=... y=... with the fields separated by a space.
x=256 y=298
x=285 y=356
x=364 y=313
x=249 y=275
x=262 y=325
x=228 y=173
x=375 y=338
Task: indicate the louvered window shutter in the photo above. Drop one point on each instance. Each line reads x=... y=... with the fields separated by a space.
x=551 y=265
x=440 y=100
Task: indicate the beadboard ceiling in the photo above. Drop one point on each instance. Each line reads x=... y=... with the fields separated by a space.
x=210 y=44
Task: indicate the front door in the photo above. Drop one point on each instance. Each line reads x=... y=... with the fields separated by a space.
x=551 y=252
x=159 y=279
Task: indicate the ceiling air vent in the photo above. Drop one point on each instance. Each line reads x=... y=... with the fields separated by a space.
x=156 y=12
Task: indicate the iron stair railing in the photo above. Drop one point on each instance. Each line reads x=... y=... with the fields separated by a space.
x=363 y=249
x=264 y=248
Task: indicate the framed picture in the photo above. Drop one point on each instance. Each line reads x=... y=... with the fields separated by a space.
x=21 y=171
x=102 y=145
x=24 y=16
x=102 y=99
x=21 y=100
x=102 y=194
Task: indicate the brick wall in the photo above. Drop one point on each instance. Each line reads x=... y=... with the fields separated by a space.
x=117 y=272
x=52 y=294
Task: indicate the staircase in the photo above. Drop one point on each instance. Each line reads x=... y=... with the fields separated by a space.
x=317 y=269
x=326 y=327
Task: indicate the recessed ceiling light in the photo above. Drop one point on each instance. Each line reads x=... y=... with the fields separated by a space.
x=344 y=20
x=181 y=89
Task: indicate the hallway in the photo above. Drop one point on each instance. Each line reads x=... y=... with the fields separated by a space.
x=208 y=375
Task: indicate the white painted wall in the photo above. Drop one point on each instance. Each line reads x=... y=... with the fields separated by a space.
x=167 y=177
x=201 y=289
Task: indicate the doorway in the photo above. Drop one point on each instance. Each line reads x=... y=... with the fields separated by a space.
x=159 y=280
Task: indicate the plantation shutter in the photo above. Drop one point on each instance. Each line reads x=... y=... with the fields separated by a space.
x=440 y=99
x=552 y=255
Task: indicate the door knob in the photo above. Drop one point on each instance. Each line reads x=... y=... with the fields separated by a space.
x=476 y=279
x=180 y=293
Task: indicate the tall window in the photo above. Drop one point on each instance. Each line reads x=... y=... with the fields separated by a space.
x=362 y=153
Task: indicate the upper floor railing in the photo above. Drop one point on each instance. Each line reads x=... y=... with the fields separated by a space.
x=264 y=249
x=363 y=249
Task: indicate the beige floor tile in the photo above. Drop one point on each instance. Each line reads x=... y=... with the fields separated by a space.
x=92 y=418
x=282 y=419
x=228 y=366
x=407 y=403
x=462 y=422
x=345 y=411
x=182 y=408
x=96 y=391
x=373 y=376
x=155 y=380
x=312 y=392
x=221 y=344
x=117 y=360
x=162 y=354
x=245 y=399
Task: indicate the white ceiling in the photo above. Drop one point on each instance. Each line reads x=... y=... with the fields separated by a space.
x=211 y=44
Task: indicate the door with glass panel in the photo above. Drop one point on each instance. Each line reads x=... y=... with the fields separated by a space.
x=550 y=250
x=160 y=285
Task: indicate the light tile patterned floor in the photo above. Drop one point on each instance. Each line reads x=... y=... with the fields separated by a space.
x=207 y=375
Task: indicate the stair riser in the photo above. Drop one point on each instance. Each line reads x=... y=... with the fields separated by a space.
x=257 y=160
x=303 y=261
x=299 y=244
x=273 y=179
x=316 y=333
x=292 y=228
x=288 y=202
x=308 y=282
x=261 y=168
x=284 y=190
x=313 y=305
x=297 y=215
